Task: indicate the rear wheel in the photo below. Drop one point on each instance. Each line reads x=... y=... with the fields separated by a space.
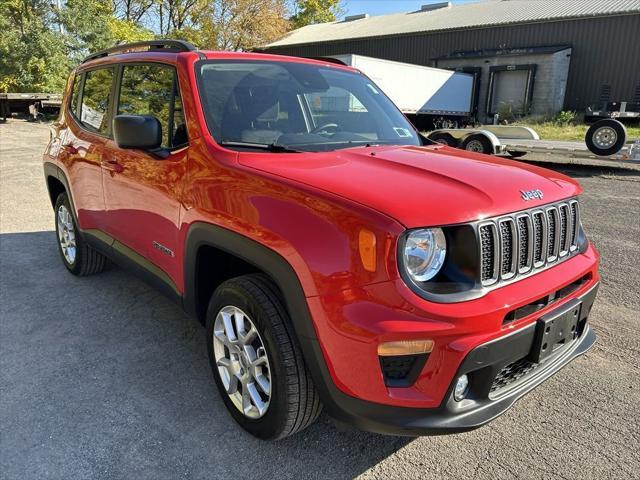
x=78 y=256
x=256 y=362
x=477 y=143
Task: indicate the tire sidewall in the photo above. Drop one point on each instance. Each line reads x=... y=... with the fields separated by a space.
x=74 y=267
x=486 y=144
x=444 y=139
x=620 y=130
x=270 y=424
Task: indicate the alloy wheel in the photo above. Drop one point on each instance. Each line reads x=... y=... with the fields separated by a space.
x=66 y=234
x=242 y=362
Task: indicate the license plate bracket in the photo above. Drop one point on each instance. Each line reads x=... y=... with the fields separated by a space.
x=555 y=331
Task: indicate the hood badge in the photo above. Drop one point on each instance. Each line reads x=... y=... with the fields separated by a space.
x=531 y=195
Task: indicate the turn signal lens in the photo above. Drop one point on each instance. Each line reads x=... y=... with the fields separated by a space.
x=367 y=245
x=405 y=347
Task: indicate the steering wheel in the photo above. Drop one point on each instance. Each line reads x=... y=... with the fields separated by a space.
x=326 y=127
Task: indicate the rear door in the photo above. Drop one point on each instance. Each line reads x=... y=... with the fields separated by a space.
x=142 y=192
x=85 y=142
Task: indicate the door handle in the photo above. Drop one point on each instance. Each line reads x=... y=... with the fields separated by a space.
x=112 y=166
x=70 y=149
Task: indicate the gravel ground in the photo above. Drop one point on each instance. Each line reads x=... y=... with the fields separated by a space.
x=102 y=377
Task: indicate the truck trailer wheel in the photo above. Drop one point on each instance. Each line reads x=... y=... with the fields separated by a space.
x=606 y=137
x=477 y=143
x=444 y=139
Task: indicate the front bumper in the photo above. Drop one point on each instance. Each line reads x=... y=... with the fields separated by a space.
x=485 y=402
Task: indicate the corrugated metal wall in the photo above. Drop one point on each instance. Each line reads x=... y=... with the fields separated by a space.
x=606 y=51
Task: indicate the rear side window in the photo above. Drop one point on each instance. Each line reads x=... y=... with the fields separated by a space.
x=96 y=97
x=152 y=89
x=75 y=94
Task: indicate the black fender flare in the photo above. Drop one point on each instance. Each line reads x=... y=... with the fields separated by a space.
x=52 y=170
x=282 y=273
x=263 y=258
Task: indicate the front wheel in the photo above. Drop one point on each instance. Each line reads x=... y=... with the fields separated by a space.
x=256 y=362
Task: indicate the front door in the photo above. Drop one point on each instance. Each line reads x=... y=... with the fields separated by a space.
x=142 y=192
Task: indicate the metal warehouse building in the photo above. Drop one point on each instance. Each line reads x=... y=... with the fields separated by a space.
x=531 y=56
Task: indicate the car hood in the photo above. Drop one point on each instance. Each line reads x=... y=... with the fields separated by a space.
x=421 y=186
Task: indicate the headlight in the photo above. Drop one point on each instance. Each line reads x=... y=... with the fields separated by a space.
x=424 y=253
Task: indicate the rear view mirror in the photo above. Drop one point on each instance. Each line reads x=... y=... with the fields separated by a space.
x=138 y=131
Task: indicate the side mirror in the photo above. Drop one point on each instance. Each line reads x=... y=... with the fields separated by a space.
x=143 y=132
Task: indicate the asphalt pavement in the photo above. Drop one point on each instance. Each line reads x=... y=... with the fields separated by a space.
x=103 y=378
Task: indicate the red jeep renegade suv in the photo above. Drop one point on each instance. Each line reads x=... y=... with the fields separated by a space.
x=337 y=258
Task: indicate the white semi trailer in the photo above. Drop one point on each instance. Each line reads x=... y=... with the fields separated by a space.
x=442 y=101
x=431 y=97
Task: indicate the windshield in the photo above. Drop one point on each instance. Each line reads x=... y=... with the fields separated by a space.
x=301 y=106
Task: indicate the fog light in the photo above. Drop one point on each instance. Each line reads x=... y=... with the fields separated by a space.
x=461 y=388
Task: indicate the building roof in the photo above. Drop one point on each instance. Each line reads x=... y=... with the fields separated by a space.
x=472 y=15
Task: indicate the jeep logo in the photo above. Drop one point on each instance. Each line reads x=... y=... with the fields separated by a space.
x=531 y=194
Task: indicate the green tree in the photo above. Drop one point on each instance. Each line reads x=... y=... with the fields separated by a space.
x=242 y=24
x=33 y=54
x=308 y=12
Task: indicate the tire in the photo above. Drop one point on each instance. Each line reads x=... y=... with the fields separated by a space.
x=606 y=137
x=514 y=154
x=77 y=255
x=292 y=402
x=444 y=139
x=477 y=143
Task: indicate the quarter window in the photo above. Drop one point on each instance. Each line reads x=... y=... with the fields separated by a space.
x=96 y=97
x=152 y=89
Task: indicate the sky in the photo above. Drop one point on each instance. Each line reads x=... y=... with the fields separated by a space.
x=380 y=7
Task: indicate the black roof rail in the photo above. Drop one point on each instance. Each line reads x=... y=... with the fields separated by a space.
x=172 y=45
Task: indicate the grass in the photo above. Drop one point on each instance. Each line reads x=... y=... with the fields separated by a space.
x=554 y=131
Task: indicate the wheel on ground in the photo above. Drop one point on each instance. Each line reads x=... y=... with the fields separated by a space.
x=515 y=154
x=78 y=256
x=477 y=143
x=444 y=138
x=606 y=137
x=256 y=362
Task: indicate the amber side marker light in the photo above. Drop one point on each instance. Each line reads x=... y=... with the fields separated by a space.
x=405 y=347
x=367 y=245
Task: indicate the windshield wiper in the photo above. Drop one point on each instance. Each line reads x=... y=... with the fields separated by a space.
x=271 y=147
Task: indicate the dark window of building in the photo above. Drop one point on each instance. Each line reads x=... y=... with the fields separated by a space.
x=96 y=97
x=510 y=90
x=151 y=89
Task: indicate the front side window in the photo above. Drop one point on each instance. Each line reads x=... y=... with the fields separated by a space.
x=303 y=106
x=151 y=89
x=96 y=98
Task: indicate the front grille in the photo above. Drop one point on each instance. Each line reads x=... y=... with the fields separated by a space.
x=552 y=246
x=533 y=239
x=538 y=237
x=524 y=257
x=512 y=373
x=488 y=241
x=507 y=247
x=574 y=223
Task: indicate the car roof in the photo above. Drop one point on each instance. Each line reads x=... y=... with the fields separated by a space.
x=169 y=51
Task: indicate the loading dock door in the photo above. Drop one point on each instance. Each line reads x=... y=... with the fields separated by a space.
x=510 y=89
